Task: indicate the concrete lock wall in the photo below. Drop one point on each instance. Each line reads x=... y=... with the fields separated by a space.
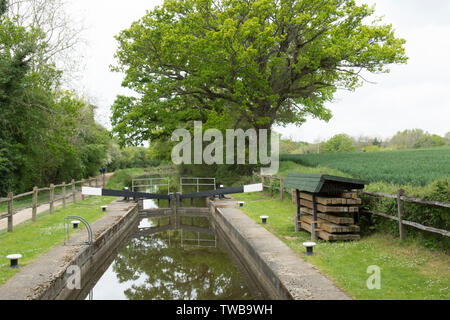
x=94 y=256
x=47 y=277
x=259 y=276
x=271 y=266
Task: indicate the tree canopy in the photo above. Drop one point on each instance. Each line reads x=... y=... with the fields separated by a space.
x=47 y=134
x=339 y=143
x=245 y=63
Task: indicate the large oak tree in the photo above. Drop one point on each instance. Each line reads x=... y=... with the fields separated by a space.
x=245 y=62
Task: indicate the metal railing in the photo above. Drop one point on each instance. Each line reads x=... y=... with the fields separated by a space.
x=197 y=182
x=149 y=183
x=67 y=229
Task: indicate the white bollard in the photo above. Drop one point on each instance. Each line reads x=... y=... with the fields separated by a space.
x=14 y=258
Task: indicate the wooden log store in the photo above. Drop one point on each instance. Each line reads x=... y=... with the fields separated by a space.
x=327 y=206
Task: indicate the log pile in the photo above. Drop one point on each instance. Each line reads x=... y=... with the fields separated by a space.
x=335 y=215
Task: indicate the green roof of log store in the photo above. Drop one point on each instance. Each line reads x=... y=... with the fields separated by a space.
x=322 y=183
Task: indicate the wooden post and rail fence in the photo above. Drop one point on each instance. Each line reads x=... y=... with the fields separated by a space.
x=51 y=200
x=400 y=197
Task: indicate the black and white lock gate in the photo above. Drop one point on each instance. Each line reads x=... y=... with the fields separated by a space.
x=89 y=191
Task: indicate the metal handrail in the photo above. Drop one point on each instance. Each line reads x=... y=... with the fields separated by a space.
x=84 y=221
x=196 y=182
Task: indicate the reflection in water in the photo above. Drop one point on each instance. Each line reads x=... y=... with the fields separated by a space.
x=162 y=264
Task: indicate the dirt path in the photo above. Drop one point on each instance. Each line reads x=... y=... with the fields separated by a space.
x=26 y=214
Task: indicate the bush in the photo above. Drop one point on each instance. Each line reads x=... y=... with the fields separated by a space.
x=426 y=215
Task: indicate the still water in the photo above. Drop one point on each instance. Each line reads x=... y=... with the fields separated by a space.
x=159 y=263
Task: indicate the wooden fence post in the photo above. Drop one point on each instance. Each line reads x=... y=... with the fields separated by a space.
x=10 y=212
x=282 y=188
x=90 y=181
x=74 y=192
x=401 y=226
x=314 y=225
x=271 y=179
x=35 y=202
x=52 y=198
x=262 y=181
x=82 y=195
x=64 y=195
x=172 y=205
x=296 y=195
x=178 y=205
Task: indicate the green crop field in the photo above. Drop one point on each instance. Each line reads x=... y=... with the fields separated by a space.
x=416 y=167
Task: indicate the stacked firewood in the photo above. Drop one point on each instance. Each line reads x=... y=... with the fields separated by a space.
x=335 y=215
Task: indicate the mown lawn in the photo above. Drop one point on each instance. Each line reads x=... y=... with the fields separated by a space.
x=31 y=239
x=408 y=270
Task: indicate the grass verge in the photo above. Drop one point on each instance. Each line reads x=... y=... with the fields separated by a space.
x=31 y=239
x=408 y=269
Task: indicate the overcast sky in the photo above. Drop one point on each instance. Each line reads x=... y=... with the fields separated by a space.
x=416 y=95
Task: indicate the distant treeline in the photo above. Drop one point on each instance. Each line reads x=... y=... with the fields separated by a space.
x=407 y=139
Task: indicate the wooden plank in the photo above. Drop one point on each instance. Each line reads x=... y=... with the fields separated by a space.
x=380 y=194
x=408 y=199
x=306 y=196
x=331 y=237
x=326 y=209
x=426 y=202
x=326 y=201
x=424 y=228
x=329 y=226
x=23 y=195
x=349 y=195
x=412 y=224
x=337 y=219
x=338 y=201
x=353 y=201
x=304 y=210
x=306 y=203
x=335 y=215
